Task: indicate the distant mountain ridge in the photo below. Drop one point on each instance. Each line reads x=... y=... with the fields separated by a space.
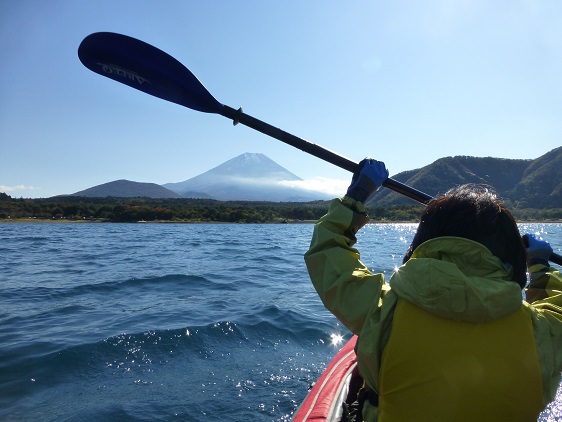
x=521 y=183
x=126 y=188
x=530 y=183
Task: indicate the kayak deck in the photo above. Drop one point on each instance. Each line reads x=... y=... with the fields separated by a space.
x=324 y=401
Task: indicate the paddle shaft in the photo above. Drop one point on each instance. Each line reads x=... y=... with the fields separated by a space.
x=238 y=116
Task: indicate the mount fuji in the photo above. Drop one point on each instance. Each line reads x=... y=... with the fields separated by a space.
x=248 y=177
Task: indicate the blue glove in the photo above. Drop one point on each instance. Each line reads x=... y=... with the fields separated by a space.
x=538 y=249
x=368 y=178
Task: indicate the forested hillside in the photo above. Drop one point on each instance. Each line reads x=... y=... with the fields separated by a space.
x=205 y=210
x=522 y=184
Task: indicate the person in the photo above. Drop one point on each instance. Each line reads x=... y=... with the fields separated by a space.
x=449 y=337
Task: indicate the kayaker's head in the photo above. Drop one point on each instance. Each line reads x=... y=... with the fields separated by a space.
x=476 y=213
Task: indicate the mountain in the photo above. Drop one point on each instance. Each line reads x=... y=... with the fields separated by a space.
x=126 y=188
x=248 y=177
x=541 y=184
x=528 y=183
x=521 y=183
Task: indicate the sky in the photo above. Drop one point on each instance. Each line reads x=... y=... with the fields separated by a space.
x=406 y=82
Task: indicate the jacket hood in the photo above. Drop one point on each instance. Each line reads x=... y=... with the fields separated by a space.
x=457 y=278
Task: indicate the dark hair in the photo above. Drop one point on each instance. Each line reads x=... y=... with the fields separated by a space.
x=476 y=213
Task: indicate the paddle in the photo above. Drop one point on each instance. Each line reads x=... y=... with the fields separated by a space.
x=150 y=70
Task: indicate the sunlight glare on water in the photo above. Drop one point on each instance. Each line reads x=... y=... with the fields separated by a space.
x=337 y=339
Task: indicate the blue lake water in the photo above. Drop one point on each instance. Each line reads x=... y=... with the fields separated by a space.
x=170 y=321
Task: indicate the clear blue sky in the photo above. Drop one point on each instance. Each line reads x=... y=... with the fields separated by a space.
x=406 y=82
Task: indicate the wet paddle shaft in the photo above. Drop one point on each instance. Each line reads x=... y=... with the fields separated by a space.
x=150 y=70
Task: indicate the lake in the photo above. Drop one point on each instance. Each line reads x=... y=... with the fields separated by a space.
x=135 y=322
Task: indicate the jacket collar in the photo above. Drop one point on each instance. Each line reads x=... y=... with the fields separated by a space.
x=459 y=279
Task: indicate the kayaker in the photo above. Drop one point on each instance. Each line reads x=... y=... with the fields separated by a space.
x=449 y=337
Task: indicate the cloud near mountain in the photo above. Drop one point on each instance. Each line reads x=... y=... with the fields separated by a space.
x=4 y=188
x=332 y=187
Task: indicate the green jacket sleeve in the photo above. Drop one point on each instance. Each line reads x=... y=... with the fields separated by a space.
x=346 y=287
x=545 y=295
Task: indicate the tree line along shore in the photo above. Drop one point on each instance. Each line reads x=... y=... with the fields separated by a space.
x=113 y=209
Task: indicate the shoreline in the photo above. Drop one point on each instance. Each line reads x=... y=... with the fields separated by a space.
x=71 y=221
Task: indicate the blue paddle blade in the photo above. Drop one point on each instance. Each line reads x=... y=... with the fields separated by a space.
x=146 y=68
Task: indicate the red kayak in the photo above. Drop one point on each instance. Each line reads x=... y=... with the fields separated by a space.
x=324 y=401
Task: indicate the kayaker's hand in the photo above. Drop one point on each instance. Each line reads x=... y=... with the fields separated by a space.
x=538 y=249
x=367 y=179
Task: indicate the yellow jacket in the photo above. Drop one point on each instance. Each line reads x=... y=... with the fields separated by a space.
x=449 y=285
